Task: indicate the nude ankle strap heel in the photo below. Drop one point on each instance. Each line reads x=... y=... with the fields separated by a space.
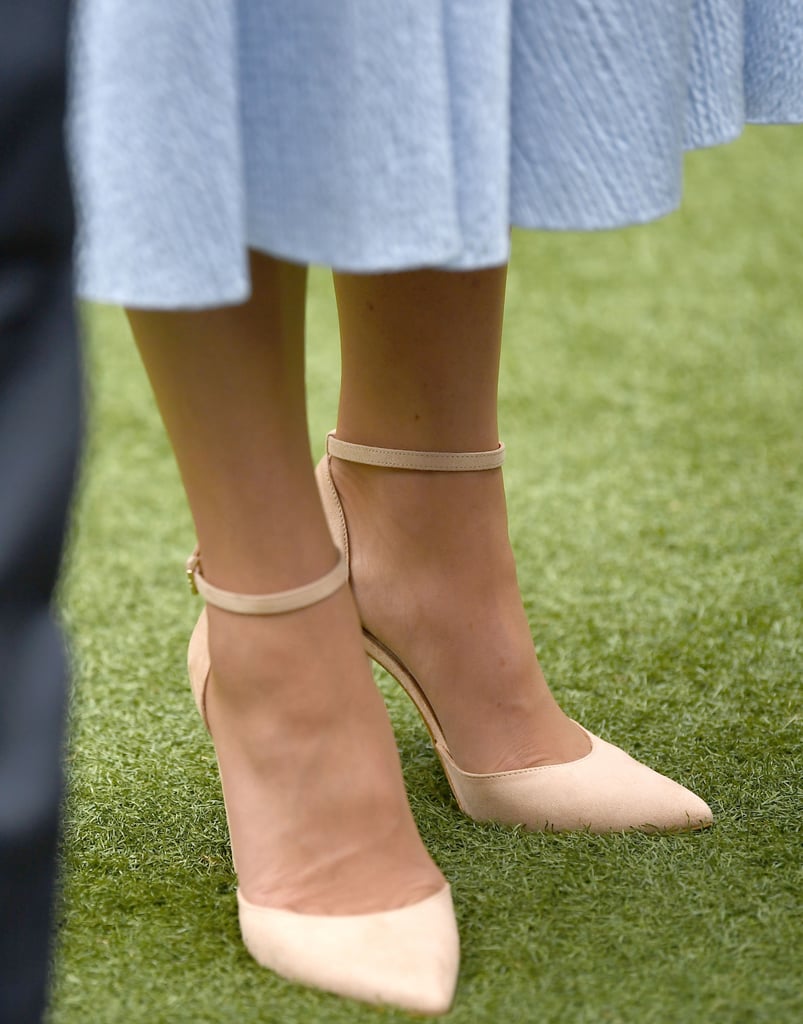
x=604 y=791
x=405 y=957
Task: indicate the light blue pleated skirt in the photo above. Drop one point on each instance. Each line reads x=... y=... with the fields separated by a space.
x=378 y=135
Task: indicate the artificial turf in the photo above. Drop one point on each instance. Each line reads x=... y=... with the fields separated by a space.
x=652 y=405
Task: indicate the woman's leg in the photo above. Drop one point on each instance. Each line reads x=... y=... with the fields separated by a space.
x=318 y=814
x=433 y=572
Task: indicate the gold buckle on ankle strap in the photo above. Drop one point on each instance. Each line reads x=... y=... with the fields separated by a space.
x=193 y=565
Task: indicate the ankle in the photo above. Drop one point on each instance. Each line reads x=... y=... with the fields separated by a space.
x=257 y=656
x=418 y=511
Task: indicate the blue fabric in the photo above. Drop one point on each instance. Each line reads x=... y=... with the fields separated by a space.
x=396 y=133
x=40 y=393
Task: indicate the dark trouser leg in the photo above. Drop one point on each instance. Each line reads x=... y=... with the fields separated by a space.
x=39 y=431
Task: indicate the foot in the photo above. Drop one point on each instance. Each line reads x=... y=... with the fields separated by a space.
x=434 y=579
x=317 y=810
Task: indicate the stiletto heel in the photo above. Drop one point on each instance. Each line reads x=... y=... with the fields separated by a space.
x=405 y=957
x=604 y=791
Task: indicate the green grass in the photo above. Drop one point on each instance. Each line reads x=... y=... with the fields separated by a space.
x=651 y=403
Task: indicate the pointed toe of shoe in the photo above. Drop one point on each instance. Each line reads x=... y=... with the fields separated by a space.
x=406 y=958
x=605 y=791
x=633 y=796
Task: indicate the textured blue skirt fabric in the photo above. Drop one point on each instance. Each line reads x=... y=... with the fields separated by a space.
x=375 y=135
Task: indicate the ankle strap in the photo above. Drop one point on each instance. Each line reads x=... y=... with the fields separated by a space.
x=397 y=458
x=266 y=604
